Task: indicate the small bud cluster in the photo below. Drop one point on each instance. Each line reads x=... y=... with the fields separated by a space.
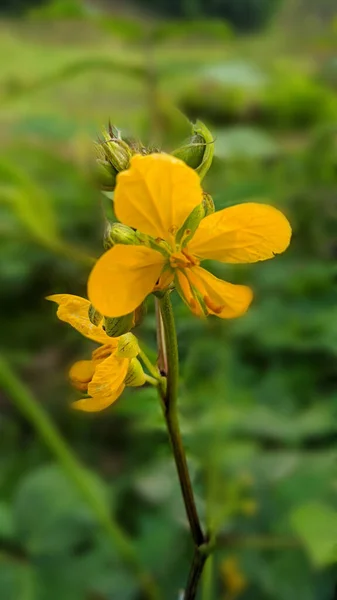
x=113 y=154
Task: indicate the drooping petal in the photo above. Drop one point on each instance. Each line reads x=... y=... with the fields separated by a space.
x=245 y=233
x=221 y=298
x=189 y=294
x=97 y=404
x=156 y=194
x=122 y=278
x=74 y=310
x=106 y=385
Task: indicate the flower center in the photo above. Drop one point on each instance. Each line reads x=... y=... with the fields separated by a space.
x=183 y=260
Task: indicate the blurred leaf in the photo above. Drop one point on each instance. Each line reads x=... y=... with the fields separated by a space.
x=245 y=142
x=50 y=515
x=316 y=525
x=234 y=73
x=17 y=580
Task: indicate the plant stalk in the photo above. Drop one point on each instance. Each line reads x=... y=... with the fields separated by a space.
x=169 y=403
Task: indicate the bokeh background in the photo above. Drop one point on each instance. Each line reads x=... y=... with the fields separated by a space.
x=258 y=395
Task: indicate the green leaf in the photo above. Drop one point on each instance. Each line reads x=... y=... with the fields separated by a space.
x=31 y=205
x=17 y=580
x=316 y=524
x=50 y=516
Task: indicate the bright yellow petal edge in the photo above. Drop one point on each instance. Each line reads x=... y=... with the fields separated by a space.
x=122 y=278
x=244 y=233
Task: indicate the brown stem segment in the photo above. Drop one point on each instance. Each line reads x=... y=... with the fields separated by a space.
x=195 y=573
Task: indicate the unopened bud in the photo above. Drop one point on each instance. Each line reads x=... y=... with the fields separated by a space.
x=127 y=346
x=116 y=326
x=135 y=375
x=198 y=151
x=208 y=204
x=187 y=231
x=112 y=154
x=105 y=175
x=117 y=233
x=81 y=373
x=95 y=317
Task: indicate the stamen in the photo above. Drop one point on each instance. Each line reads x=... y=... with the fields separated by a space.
x=215 y=308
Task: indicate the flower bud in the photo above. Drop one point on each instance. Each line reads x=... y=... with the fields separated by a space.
x=198 y=151
x=135 y=375
x=116 y=326
x=187 y=231
x=105 y=175
x=81 y=373
x=208 y=204
x=112 y=155
x=117 y=233
x=95 y=317
x=127 y=346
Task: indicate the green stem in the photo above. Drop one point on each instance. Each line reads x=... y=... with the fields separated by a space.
x=171 y=416
x=151 y=380
x=34 y=413
x=169 y=402
x=148 y=364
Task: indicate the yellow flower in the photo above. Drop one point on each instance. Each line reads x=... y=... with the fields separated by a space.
x=233 y=578
x=156 y=196
x=113 y=365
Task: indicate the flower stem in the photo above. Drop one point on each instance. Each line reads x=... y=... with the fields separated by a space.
x=34 y=413
x=148 y=364
x=169 y=403
x=151 y=380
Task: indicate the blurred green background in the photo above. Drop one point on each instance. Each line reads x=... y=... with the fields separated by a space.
x=258 y=395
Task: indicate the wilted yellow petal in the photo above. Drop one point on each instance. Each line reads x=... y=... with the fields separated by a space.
x=156 y=194
x=122 y=278
x=221 y=298
x=106 y=385
x=98 y=403
x=74 y=310
x=245 y=233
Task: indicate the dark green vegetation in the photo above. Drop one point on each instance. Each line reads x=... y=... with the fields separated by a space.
x=258 y=395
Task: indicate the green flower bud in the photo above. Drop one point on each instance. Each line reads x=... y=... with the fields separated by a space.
x=116 y=326
x=95 y=317
x=105 y=175
x=135 y=375
x=113 y=154
x=187 y=231
x=208 y=204
x=117 y=233
x=127 y=346
x=198 y=151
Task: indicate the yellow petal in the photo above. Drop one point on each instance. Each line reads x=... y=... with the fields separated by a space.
x=106 y=385
x=98 y=403
x=221 y=298
x=156 y=194
x=74 y=310
x=245 y=233
x=122 y=278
